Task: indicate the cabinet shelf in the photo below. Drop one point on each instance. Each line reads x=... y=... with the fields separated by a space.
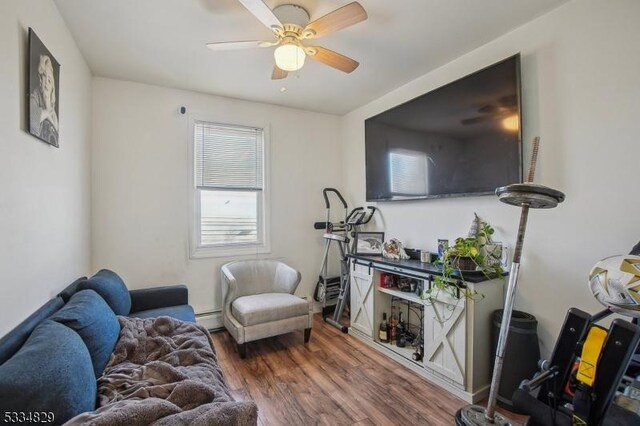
x=406 y=352
x=402 y=295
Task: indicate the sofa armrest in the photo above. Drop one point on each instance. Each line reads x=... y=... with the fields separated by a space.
x=158 y=297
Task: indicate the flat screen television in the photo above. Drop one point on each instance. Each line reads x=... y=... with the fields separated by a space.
x=461 y=139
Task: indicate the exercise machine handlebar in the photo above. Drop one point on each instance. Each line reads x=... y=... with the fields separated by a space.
x=360 y=216
x=326 y=197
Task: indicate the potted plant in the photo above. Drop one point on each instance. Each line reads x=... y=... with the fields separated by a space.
x=465 y=255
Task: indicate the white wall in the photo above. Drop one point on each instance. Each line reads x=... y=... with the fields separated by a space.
x=141 y=184
x=45 y=191
x=581 y=94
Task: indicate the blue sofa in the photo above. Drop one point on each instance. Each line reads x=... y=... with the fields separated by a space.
x=50 y=362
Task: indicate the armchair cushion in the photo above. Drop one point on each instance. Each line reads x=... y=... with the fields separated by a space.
x=112 y=289
x=267 y=307
x=260 y=276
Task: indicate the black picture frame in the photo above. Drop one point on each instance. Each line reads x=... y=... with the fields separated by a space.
x=43 y=92
x=368 y=243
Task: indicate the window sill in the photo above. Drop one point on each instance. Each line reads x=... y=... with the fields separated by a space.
x=228 y=251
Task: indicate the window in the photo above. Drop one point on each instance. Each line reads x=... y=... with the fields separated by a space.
x=229 y=170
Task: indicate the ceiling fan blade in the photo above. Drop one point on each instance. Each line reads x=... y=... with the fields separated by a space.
x=496 y=111
x=489 y=109
x=278 y=74
x=509 y=101
x=235 y=45
x=333 y=59
x=477 y=120
x=263 y=13
x=333 y=21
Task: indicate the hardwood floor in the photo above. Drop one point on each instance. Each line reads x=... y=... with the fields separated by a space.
x=333 y=380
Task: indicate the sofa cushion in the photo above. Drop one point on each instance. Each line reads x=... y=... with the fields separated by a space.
x=13 y=341
x=267 y=307
x=181 y=312
x=89 y=315
x=52 y=372
x=112 y=289
x=71 y=289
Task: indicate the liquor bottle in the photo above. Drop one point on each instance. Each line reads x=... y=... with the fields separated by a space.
x=400 y=328
x=383 y=335
x=393 y=322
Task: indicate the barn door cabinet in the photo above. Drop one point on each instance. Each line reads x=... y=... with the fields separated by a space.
x=456 y=331
x=362 y=293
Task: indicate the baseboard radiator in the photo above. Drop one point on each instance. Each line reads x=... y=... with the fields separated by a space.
x=211 y=320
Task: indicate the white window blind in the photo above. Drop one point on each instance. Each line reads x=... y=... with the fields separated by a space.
x=229 y=183
x=228 y=157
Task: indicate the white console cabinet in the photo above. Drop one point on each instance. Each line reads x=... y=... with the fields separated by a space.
x=456 y=331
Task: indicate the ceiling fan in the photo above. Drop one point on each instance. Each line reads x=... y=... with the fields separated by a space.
x=291 y=26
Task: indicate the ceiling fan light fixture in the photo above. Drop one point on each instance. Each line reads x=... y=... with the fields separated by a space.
x=289 y=57
x=511 y=123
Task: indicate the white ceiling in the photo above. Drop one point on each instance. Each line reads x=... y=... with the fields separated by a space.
x=162 y=42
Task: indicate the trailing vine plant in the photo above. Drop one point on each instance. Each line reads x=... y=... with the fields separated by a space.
x=465 y=255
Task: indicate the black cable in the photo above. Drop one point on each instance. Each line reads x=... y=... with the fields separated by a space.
x=418 y=310
x=417 y=313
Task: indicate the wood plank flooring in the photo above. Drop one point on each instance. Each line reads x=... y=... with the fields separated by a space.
x=333 y=380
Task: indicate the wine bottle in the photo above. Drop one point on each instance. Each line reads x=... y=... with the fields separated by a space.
x=382 y=333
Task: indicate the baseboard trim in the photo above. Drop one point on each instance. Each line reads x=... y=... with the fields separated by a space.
x=210 y=320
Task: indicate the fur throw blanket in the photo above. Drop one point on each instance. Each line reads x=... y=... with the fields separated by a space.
x=165 y=372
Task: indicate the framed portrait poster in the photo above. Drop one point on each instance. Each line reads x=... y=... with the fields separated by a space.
x=44 y=92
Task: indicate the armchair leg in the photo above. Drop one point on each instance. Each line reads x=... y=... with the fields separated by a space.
x=242 y=350
x=307 y=335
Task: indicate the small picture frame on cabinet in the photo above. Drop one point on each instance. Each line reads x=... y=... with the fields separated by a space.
x=369 y=243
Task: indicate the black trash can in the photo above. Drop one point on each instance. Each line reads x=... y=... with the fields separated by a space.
x=521 y=355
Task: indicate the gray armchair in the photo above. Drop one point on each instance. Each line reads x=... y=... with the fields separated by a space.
x=259 y=301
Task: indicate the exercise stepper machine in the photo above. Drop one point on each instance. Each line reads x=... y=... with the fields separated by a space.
x=332 y=290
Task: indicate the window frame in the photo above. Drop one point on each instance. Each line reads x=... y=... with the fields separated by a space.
x=196 y=249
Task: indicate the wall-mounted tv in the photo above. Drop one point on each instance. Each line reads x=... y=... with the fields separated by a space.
x=461 y=139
